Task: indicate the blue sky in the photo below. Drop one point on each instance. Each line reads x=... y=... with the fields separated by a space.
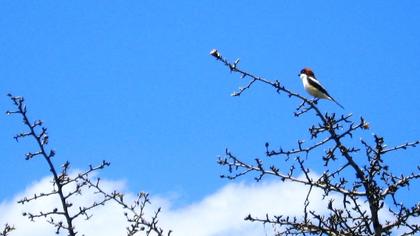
x=132 y=82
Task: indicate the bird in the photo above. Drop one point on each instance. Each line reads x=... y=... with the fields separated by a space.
x=314 y=87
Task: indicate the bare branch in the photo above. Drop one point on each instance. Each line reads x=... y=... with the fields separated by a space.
x=60 y=217
x=6 y=230
x=373 y=184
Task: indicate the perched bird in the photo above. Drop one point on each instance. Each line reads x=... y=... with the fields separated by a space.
x=313 y=86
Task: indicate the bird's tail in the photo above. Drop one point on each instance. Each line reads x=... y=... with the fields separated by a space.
x=332 y=99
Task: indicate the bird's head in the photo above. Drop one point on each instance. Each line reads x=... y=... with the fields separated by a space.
x=307 y=71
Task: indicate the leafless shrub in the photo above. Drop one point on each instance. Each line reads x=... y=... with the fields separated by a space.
x=68 y=187
x=374 y=184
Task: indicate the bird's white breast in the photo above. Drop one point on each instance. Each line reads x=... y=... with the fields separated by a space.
x=311 y=89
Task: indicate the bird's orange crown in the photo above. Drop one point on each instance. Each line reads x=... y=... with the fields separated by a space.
x=307 y=71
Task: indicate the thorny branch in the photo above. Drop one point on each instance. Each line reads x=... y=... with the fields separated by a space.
x=66 y=187
x=41 y=138
x=135 y=212
x=374 y=183
x=6 y=230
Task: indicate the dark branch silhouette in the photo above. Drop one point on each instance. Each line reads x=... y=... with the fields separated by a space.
x=374 y=184
x=68 y=187
x=6 y=230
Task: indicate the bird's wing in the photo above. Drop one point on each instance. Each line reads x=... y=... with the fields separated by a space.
x=317 y=85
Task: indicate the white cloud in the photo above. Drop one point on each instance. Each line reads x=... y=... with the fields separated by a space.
x=218 y=214
x=223 y=212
